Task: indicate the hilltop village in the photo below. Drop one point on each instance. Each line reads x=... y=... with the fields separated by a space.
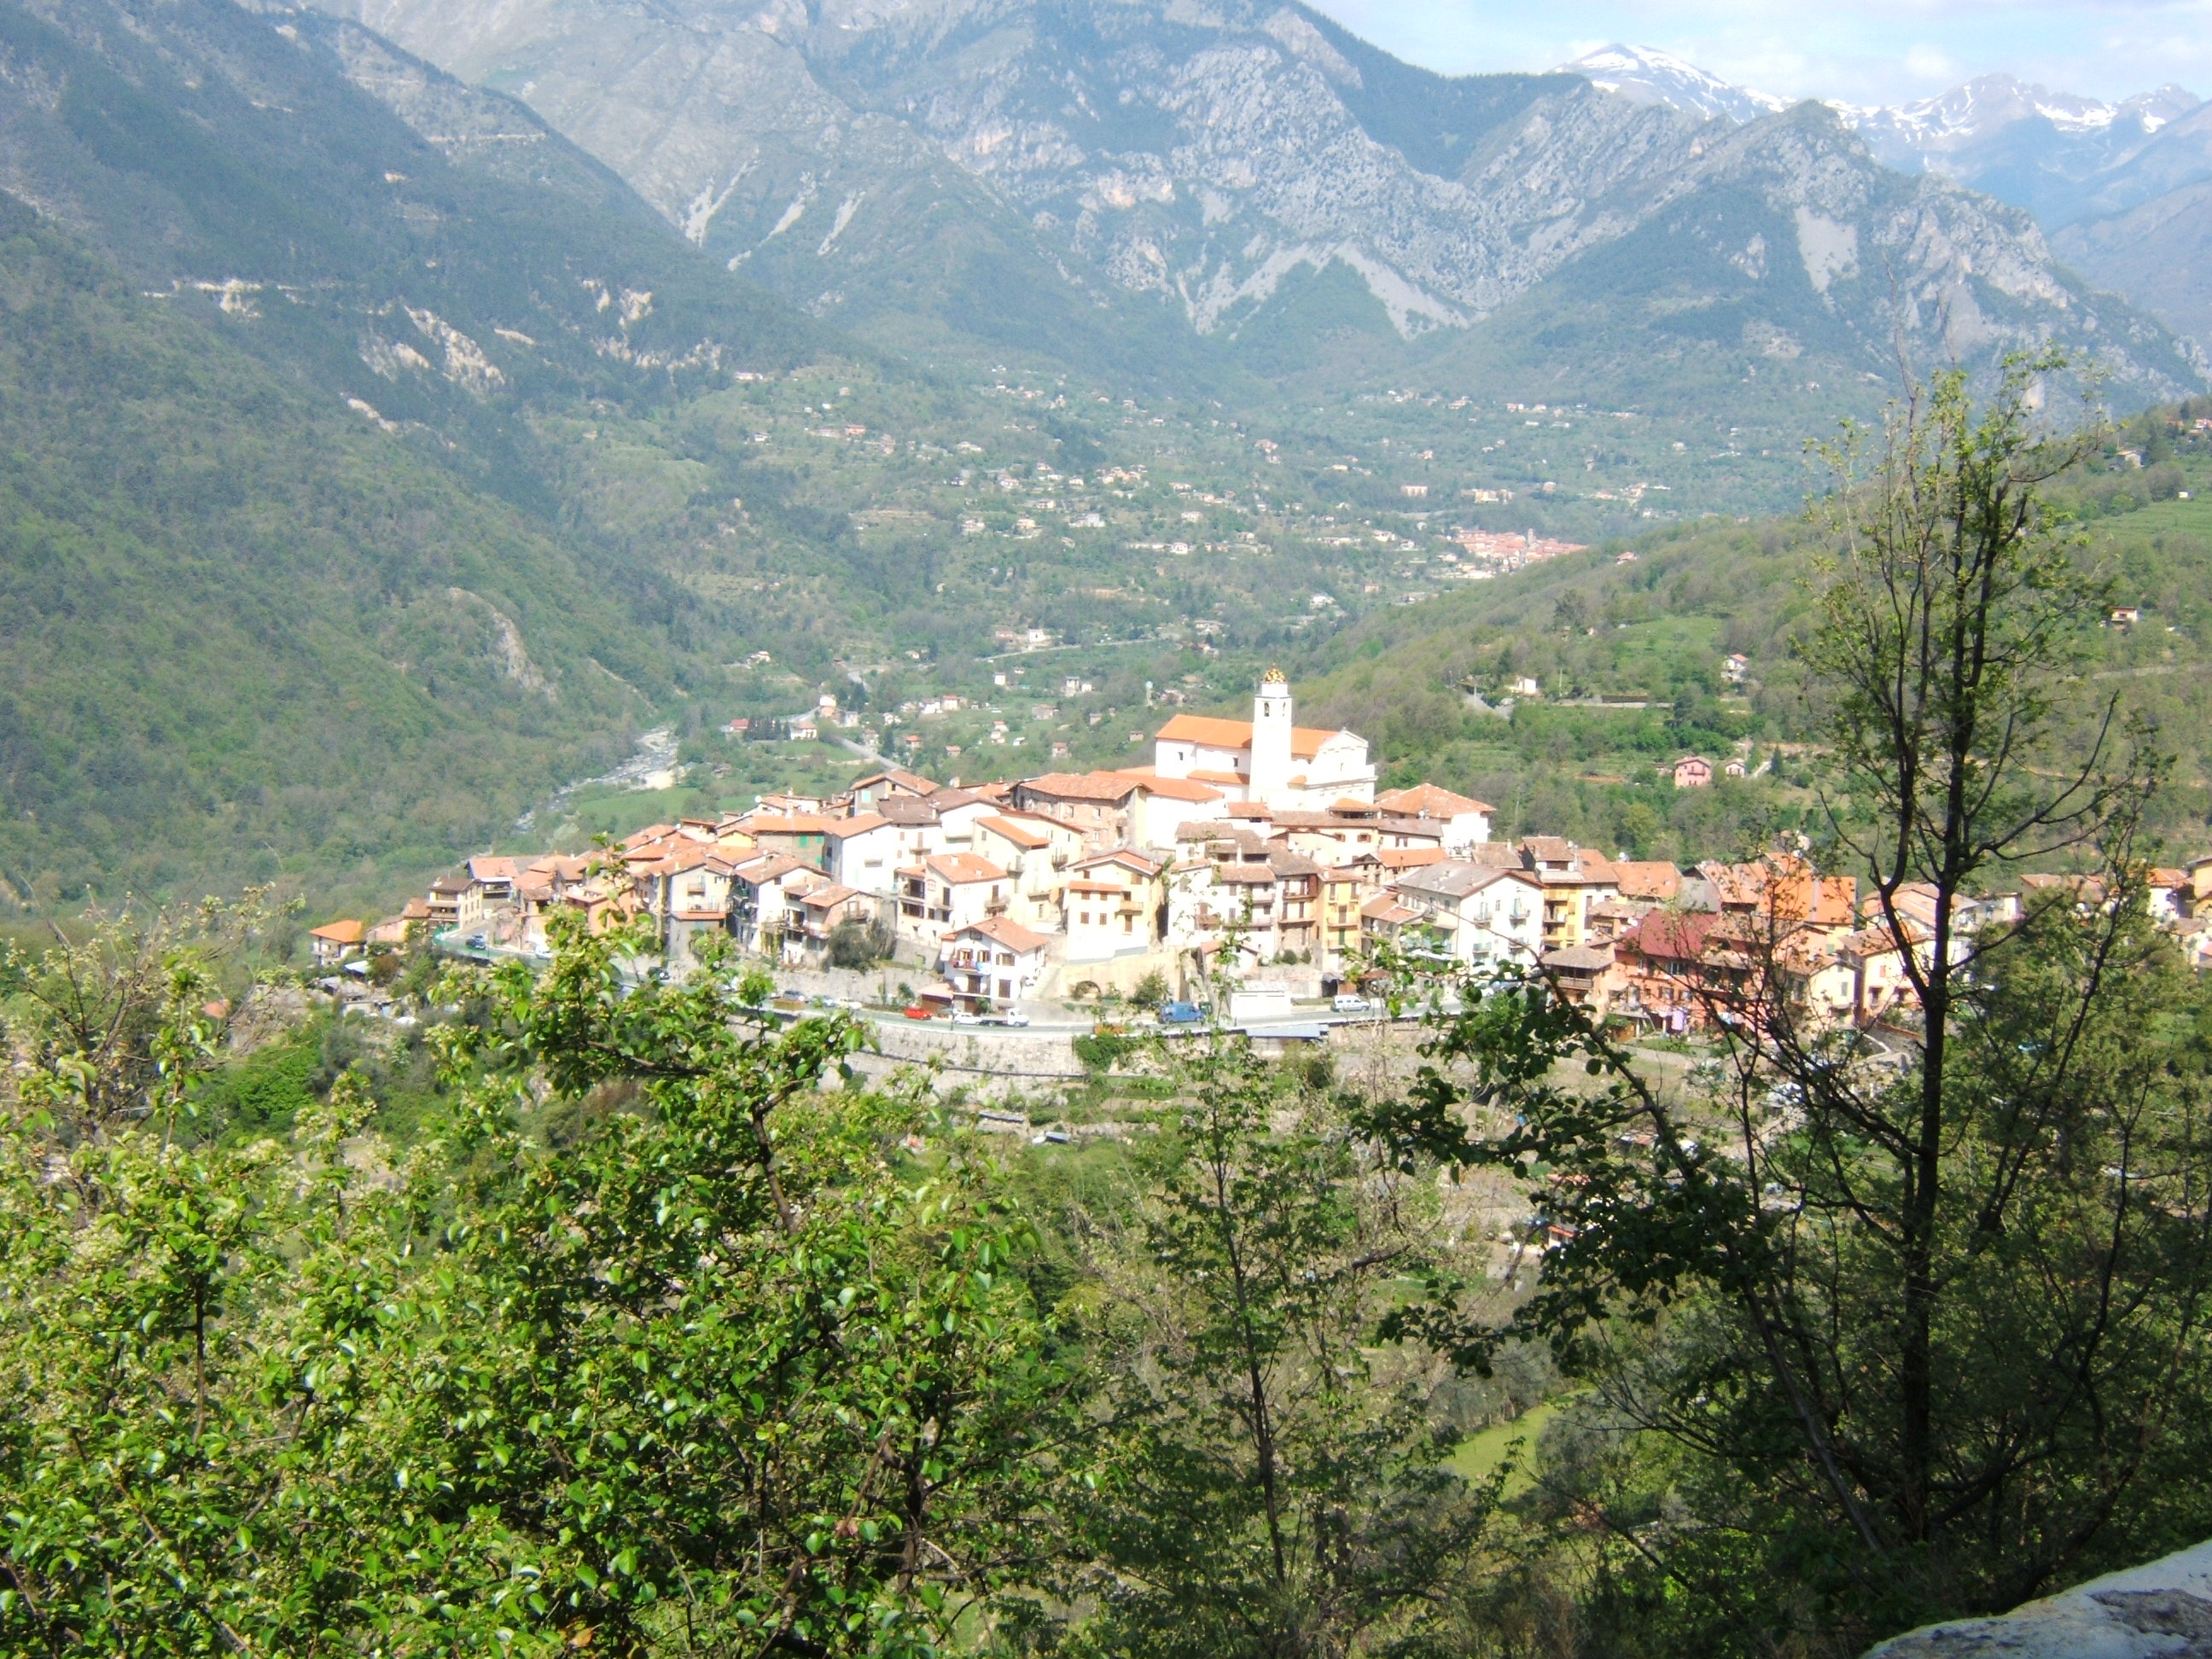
x=1259 y=850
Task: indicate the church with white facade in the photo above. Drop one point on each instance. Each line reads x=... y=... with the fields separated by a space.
x=1269 y=759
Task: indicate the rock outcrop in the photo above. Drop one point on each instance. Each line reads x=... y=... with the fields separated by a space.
x=2162 y=1610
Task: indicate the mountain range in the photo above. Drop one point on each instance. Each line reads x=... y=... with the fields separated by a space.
x=1183 y=177
x=2121 y=188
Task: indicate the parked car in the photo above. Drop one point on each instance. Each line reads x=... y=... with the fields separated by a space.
x=1013 y=1017
x=962 y=1016
x=915 y=1011
x=1180 y=1013
x=1347 y=1003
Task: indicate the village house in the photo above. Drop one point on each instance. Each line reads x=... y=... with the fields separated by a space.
x=1113 y=905
x=1481 y=916
x=1587 y=976
x=335 y=941
x=1463 y=822
x=867 y=792
x=1096 y=804
x=454 y=901
x=402 y=929
x=1665 y=980
x=801 y=836
x=764 y=890
x=1388 y=921
x=1161 y=805
x=820 y=911
x=1915 y=903
x=996 y=962
x=1786 y=893
x=1342 y=932
x=1692 y=772
x=1881 y=982
x=494 y=876
x=1573 y=879
x=1035 y=852
x=945 y=892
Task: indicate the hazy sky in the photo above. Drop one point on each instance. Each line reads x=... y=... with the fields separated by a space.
x=1866 y=51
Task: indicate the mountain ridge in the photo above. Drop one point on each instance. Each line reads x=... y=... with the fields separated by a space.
x=1179 y=171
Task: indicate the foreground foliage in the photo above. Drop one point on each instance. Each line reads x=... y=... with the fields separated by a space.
x=724 y=1374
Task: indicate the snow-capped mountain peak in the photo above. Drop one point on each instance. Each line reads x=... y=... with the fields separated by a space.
x=1989 y=102
x=1651 y=76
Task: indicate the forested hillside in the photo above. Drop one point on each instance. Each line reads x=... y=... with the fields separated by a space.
x=287 y=579
x=1646 y=627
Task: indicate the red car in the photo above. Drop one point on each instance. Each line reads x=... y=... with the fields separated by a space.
x=915 y=1011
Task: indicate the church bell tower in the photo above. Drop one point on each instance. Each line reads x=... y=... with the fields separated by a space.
x=1271 y=739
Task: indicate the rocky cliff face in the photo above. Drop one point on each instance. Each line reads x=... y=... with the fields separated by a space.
x=2161 y=1610
x=1170 y=163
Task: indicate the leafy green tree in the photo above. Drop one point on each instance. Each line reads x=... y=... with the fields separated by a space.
x=1270 y=1482
x=724 y=1374
x=856 y=943
x=1884 y=1331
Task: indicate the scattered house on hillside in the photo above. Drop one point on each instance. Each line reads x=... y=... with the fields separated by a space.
x=403 y=929
x=1692 y=772
x=335 y=941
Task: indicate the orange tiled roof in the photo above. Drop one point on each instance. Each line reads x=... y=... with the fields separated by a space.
x=1651 y=880
x=1209 y=733
x=1409 y=858
x=1009 y=933
x=1174 y=788
x=960 y=868
x=1020 y=834
x=1429 y=800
